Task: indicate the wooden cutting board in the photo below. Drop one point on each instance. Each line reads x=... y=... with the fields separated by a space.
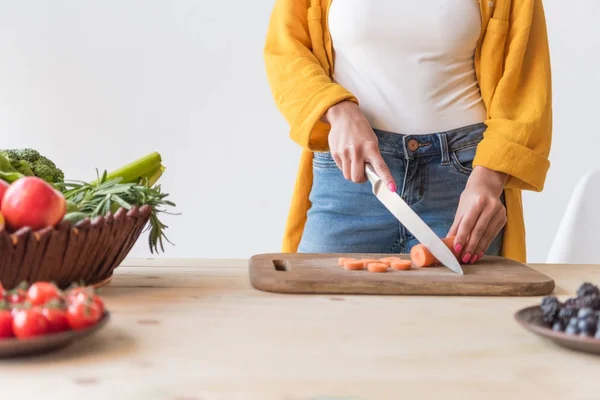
x=320 y=274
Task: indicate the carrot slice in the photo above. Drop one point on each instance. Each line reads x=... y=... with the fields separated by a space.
x=367 y=261
x=342 y=260
x=354 y=265
x=377 y=267
x=422 y=257
x=401 y=265
x=392 y=258
x=389 y=260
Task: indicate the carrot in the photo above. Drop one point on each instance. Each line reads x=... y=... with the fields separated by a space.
x=401 y=265
x=449 y=242
x=367 y=261
x=342 y=260
x=377 y=267
x=389 y=260
x=392 y=258
x=422 y=257
x=354 y=265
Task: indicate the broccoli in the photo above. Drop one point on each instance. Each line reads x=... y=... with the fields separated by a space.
x=31 y=162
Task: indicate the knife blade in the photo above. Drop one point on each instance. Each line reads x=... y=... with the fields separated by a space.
x=416 y=226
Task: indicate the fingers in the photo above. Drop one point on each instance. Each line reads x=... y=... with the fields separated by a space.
x=349 y=164
x=376 y=160
x=358 y=168
x=454 y=228
x=351 y=161
x=465 y=227
x=479 y=233
x=343 y=164
x=494 y=228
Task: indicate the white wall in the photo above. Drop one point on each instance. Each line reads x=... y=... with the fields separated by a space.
x=99 y=83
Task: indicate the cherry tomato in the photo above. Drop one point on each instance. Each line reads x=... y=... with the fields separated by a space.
x=78 y=294
x=16 y=296
x=6 y=320
x=83 y=315
x=99 y=303
x=86 y=295
x=29 y=322
x=41 y=293
x=57 y=319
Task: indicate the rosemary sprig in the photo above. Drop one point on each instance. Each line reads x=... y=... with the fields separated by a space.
x=109 y=195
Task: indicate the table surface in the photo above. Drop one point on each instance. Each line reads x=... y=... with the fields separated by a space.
x=196 y=329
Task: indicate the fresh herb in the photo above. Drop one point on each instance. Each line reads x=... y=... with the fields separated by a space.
x=108 y=195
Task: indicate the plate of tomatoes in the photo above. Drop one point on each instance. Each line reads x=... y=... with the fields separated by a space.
x=40 y=317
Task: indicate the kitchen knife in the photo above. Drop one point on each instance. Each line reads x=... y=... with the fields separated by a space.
x=412 y=221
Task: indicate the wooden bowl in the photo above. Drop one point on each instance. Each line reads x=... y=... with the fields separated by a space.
x=531 y=319
x=43 y=344
x=87 y=252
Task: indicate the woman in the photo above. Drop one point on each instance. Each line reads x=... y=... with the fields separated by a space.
x=450 y=101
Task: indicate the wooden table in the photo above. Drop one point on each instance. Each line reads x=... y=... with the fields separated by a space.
x=197 y=330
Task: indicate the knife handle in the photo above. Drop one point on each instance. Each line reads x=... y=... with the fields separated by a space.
x=371 y=174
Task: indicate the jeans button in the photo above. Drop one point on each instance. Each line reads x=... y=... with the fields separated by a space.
x=413 y=145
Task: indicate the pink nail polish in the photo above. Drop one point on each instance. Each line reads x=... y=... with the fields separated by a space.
x=466 y=258
x=458 y=248
x=475 y=258
x=392 y=187
x=480 y=256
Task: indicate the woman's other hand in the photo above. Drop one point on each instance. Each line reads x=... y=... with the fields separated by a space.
x=480 y=215
x=353 y=143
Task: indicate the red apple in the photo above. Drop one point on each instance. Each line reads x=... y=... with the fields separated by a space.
x=32 y=202
x=3 y=187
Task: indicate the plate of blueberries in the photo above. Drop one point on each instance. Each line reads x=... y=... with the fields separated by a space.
x=573 y=324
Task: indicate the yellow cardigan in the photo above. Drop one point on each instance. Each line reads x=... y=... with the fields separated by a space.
x=512 y=62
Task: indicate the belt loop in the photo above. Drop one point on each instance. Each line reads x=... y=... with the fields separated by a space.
x=444 y=148
x=404 y=148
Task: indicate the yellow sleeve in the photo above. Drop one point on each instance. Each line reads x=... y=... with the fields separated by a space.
x=519 y=128
x=302 y=89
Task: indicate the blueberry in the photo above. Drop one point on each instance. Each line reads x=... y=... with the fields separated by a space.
x=587 y=289
x=573 y=321
x=566 y=313
x=557 y=327
x=597 y=334
x=550 y=308
x=584 y=312
x=587 y=324
x=572 y=330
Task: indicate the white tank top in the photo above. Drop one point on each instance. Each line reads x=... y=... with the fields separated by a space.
x=410 y=63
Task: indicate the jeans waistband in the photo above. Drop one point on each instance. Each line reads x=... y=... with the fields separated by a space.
x=441 y=143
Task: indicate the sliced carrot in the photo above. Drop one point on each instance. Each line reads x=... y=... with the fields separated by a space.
x=354 y=265
x=422 y=257
x=389 y=260
x=377 y=267
x=401 y=265
x=449 y=241
x=392 y=258
x=367 y=261
x=342 y=260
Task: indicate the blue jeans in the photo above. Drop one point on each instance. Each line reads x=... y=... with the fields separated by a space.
x=431 y=172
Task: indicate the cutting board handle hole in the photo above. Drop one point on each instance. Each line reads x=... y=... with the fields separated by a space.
x=281 y=265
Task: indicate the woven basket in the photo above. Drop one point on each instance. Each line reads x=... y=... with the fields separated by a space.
x=88 y=251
